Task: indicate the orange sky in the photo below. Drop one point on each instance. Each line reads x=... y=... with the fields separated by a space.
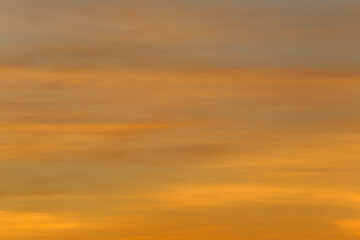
x=179 y=120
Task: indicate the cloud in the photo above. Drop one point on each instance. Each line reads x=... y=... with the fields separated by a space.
x=153 y=116
x=39 y=142
x=16 y=225
x=351 y=225
x=178 y=34
x=199 y=120
x=222 y=195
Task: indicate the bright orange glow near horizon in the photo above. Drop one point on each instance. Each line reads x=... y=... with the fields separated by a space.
x=179 y=120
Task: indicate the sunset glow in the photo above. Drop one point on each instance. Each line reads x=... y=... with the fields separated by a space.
x=179 y=120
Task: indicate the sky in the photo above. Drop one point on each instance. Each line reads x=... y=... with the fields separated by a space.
x=179 y=120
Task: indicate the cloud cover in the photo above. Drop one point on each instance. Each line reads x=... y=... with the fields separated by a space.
x=172 y=120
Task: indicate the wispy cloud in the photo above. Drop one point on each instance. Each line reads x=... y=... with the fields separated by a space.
x=172 y=120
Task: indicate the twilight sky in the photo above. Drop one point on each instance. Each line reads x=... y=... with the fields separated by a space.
x=179 y=120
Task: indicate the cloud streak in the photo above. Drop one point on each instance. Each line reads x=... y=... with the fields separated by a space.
x=172 y=120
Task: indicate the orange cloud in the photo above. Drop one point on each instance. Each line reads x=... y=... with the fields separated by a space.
x=173 y=120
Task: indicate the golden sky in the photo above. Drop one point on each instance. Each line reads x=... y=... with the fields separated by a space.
x=179 y=120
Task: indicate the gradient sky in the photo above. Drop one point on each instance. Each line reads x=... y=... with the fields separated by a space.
x=179 y=120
